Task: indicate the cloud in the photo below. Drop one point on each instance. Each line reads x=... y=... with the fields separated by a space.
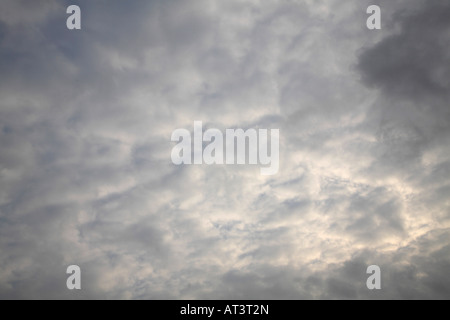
x=85 y=172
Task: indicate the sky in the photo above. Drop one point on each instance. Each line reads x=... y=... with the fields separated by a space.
x=86 y=176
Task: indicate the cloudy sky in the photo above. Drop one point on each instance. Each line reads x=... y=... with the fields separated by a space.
x=85 y=170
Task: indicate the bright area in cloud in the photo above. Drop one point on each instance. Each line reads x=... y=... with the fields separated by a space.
x=85 y=171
